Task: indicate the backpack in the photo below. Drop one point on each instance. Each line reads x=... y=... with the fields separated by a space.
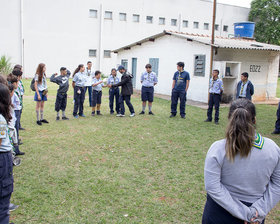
x=32 y=85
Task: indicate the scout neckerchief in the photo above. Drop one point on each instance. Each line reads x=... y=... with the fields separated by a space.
x=114 y=79
x=259 y=141
x=242 y=87
x=21 y=84
x=88 y=72
x=19 y=96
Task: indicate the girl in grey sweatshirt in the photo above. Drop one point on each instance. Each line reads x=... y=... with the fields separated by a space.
x=242 y=171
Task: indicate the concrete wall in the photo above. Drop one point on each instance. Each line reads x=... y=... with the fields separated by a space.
x=60 y=33
x=264 y=77
x=170 y=50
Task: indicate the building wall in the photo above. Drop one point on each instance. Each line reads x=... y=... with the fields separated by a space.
x=170 y=50
x=264 y=77
x=61 y=33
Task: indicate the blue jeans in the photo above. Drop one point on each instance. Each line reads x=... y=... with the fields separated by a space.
x=128 y=103
x=174 y=102
x=6 y=185
x=79 y=100
x=17 y=115
x=114 y=93
x=214 y=99
x=89 y=88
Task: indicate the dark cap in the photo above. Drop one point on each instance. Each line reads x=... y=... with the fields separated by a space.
x=120 y=68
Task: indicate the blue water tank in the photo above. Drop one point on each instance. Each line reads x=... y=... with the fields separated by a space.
x=244 y=29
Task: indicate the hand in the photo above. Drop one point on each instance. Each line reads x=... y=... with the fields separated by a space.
x=39 y=97
x=55 y=74
x=252 y=221
x=109 y=86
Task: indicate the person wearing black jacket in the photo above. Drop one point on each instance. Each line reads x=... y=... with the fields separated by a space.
x=126 y=92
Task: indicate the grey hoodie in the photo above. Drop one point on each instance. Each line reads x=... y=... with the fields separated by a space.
x=62 y=81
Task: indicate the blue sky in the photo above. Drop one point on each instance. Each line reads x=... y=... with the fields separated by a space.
x=244 y=3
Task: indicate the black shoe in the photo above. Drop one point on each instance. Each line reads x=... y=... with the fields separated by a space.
x=20 y=142
x=22 y=129
x=93 y=113
x=65 y=118
x=98 y=113
x=275 y=132
x=172 y=115
x=207 y=120
x=183 y=116
x=112 y=112
x=20 y=154
x=44 y=121
x=217 y=122
x=39 y=122
x=142 y=112
x=57 y=118
x=151 y=113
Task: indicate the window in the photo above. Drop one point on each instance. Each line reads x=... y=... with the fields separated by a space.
x=92 y=53
x=206 y=26
x=149 y=19
x=216 y=27
x=93 y=13
x=161 y=21
x=136 y=18
x=107 y=53
x=173 y=22
x=154 y=63
x=124 y=63
x=122 y=16
x=199 y=65
x=108 y=15
x=225 y=29
x=195 y=25
x=185 y=23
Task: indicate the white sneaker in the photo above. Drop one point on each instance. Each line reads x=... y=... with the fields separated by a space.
x=120 y=115
x=132 y=115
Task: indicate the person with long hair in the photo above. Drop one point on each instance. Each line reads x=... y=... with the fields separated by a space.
x=242 y=171
x=6 y=168
x=41 y=91
x=79 y=79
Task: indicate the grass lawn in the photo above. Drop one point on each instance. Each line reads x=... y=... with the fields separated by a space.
x=146 y=169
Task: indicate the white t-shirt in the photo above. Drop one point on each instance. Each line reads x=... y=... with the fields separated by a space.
x=41 y=86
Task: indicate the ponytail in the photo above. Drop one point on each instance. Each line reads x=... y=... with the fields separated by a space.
x=240 y=133
x=77 y=69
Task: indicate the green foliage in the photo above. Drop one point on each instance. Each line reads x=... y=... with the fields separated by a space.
x=5 y=65
x=266 y=15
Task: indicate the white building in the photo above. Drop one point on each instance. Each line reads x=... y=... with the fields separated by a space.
x=232 y=57
x=69 y=32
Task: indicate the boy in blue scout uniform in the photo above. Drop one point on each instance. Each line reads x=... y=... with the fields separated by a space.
x=78 y=84
x=114 y=92
x=148 y=80
x=245 y=88
x=88 y=82
x=97 y=85
x=215 y=92
x=180 y=85
x=61 y=97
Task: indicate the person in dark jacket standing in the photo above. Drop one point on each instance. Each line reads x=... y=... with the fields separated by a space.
x=61 y=98
x=277 y=123
x=245 y=88
x=126 y=92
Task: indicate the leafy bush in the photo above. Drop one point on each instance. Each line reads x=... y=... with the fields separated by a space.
x=5 y=65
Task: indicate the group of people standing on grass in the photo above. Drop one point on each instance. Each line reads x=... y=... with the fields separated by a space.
x=242 y=171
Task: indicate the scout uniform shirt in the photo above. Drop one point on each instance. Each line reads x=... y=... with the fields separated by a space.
x=149 y=79
x=89 y=75
x=99 y=86
x=216 y=86
x=79 y=79
x=181 y=80
x=243 y=89
x=113 y=80
x=6 y=145
x=41 y=86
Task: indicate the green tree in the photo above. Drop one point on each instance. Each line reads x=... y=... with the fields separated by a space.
x=266 y=15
